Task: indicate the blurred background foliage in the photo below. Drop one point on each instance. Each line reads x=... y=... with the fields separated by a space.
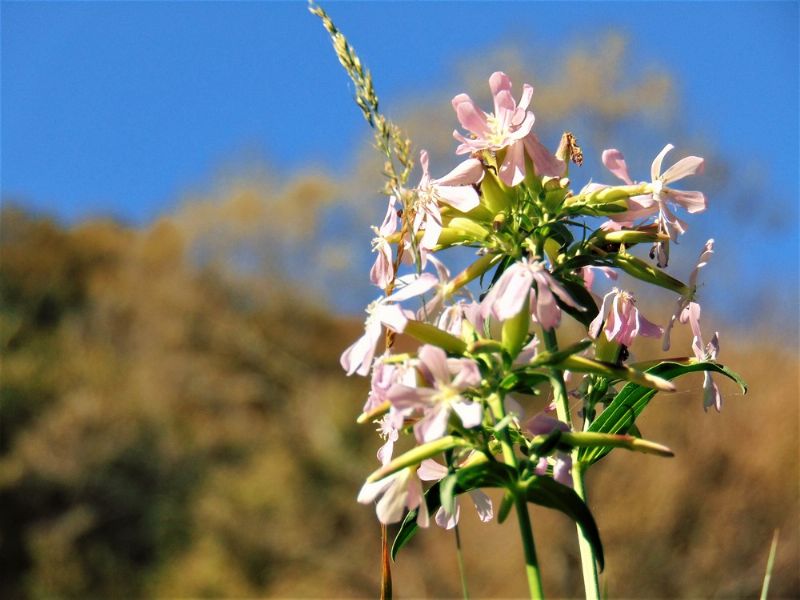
x=175 y=422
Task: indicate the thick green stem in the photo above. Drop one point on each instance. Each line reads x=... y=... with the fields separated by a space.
x=520 y=503
x=591 y=581
x=588 y=561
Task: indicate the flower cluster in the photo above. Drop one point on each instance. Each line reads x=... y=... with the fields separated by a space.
x=485 y=399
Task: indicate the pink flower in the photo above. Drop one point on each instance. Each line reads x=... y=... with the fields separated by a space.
x=624 y=322
x=660 y=197
x=430 y=470
x=399 y=491
x=454 y=189
x=382 y=271
x=507 y=297
x=382 y=312
x=685 y=307
x=447 y=378
x=508 y=127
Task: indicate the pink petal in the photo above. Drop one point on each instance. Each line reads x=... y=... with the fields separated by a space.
x=516 y=288
x=392 y=505
x=417 y=287
x=616 y=320
x=382 y=271
x=407 y=397
x=711 y=395
x=544 y=162
x=646 y=328
x=512 y=171
x=691 y=313
x=462 y=197
x=370 y=491
x=470 y=116
x=483 y=504
x=597 y=323
x=527 y=95
x=470 y=413
x=562 y=468
x=467 y=373
x=614 y=161
x=424 y=162
x=445 y=520
x=435 y=361
x=391 y=316
x=499 y=83
x=466 y=173
x=430 y=470
x=547 y=311
x=655 y=168
x=434 y=424
x=693 y=202
x=691 y=165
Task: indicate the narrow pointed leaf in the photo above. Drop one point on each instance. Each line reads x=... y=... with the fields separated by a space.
x=620 y=415
x=547 y=492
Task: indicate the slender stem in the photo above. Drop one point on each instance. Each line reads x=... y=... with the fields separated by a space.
x=591 y=581
x=520 y=502
x=770 y=564
x=461 y=570
x=531 y=563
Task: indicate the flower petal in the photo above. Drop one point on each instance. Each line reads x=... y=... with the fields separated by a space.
x=614 y=161
x=693 y=202
x=655 y=168
x=691 y=165
x=483 y=504
x=470 y=413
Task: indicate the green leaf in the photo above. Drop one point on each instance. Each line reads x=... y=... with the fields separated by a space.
x=620 y=415
x=547 y=492
x=582 y=296
x=408 y=528
x=553 y=358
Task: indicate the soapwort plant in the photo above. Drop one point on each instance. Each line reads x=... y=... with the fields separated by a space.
x=498 y=394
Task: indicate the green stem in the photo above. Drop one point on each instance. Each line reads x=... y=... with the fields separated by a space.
x=531 y=564
x=461 y=570
x=521 y=504
x=588 y=561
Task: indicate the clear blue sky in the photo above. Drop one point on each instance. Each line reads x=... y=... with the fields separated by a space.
x=120 y=107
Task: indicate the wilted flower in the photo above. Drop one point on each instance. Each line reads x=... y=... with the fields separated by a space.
x=711 y=395
x=624 y=322
x=382 y=271
x=686 y=309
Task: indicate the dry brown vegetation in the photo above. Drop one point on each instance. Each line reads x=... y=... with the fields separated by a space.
x=169 y=432
x=175 y=422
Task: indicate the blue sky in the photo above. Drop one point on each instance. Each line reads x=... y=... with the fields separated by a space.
x=120 y=108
